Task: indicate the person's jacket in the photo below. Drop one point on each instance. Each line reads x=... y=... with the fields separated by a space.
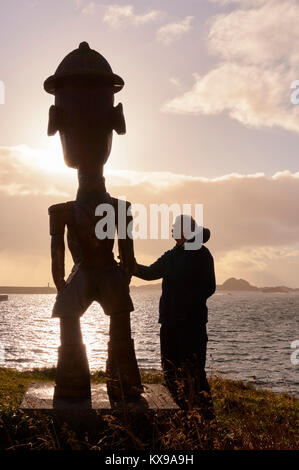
x=188 y=281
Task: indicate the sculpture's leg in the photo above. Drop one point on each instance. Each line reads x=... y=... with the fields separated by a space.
x=73 y=378
x=123 y=376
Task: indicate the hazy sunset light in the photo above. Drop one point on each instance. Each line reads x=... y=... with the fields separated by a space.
x=209 y=121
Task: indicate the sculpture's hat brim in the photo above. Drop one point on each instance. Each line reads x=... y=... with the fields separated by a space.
x=83 y=67
x=57 y=81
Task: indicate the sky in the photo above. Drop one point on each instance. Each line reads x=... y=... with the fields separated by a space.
x=207 y=101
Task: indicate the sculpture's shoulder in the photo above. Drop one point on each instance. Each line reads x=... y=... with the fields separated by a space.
x=62 y=207
x=60 y=216
x=121 y=206
x=122 y=209
x=122 y=202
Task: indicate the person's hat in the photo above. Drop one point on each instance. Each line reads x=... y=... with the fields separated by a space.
x=80 y=65
x=187 y=221
x=206 y=234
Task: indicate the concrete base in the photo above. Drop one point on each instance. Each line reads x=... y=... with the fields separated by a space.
x=39 y=398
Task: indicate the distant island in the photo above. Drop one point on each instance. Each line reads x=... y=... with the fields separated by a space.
x=232 y=285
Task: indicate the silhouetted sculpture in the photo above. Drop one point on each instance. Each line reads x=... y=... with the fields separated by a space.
x=85 y=116
x=188 y=281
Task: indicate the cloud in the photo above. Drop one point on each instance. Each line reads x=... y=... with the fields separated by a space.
x=28 y=171
x=251 y=95
x=240 y=2
x=173 y=31
x=267 y=203
x=253 y=218
x=262 y=266
x=175 y=82
x=258 y=35
x=78 y=3
x=120 y=17
x=259 y=60
x=89 y=9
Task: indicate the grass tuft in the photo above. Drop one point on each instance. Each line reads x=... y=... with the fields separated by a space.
x=246 y=418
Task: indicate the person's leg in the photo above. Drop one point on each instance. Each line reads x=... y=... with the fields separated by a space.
x=203 y=399
x=185 y=369
x=200 y=357
x=169 y=358
x=124 y=381
x=193 y=348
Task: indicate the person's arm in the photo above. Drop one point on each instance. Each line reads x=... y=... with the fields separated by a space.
x=204 y=275
x=210 y=277
x=154 y=271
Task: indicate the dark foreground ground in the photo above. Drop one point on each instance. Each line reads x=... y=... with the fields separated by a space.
x=246 y=418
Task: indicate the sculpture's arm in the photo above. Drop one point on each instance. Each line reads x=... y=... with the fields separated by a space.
x=126 y=245
x=58 y=217
x=57 y=255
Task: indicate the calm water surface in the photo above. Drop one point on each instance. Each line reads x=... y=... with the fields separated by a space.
x=250 y=335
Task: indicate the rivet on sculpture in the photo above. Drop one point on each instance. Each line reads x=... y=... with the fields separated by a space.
x=85 y=117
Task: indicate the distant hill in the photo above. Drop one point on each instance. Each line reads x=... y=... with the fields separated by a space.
x=232 y=284
x=282 y=289
x=155 y=286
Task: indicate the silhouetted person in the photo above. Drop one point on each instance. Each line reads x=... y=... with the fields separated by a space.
x=188 y=281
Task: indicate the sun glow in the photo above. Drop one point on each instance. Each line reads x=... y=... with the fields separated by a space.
x=51 y=157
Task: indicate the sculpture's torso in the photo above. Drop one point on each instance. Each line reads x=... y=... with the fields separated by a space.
x=80 y=219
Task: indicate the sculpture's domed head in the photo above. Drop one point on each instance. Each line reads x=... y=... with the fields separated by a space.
x=83 y=65
x=84 y=86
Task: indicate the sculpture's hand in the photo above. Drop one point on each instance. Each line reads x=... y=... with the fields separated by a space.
x=60 y=285
x=126 y=273
x=119 y=263
x=135 y=267
x=132 y=269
